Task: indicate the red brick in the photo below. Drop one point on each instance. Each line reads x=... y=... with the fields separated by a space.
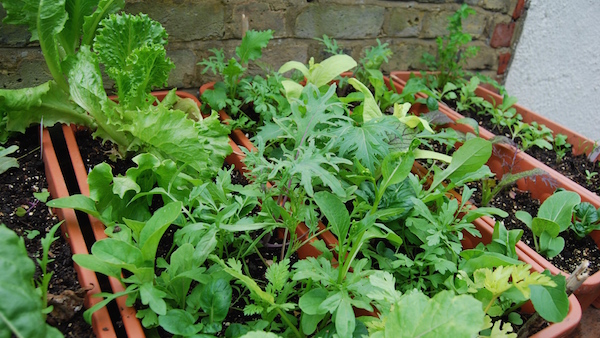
x=503 y=60
x=519 y=9
x=502 y=35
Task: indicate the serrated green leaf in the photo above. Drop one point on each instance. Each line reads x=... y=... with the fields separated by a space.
x=252 y=44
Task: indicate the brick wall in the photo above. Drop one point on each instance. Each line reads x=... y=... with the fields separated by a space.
x=195 y=26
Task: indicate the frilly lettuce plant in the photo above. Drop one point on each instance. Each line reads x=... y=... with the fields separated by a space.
x=131 y=48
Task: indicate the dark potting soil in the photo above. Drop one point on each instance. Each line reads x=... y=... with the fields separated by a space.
x=17 y=187
x=575 y=251
x=571 y=166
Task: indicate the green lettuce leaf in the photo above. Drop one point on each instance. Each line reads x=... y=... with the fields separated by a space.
x=444 y=315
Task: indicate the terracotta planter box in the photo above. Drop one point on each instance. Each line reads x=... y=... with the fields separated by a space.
x=589 y=292
x=485 y=226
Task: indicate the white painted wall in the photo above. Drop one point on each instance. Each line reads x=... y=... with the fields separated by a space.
x=556 y=68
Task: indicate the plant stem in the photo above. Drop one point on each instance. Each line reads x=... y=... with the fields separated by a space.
x=289 y=323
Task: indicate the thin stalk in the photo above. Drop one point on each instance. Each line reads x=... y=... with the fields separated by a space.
x=289 y=323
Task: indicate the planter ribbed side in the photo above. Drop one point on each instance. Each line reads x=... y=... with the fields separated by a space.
x=589 y=291
x=71 y=230
x=561 y=329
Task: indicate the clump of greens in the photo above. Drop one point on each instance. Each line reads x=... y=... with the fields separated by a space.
x=553 y=217
x=226 y=93
x=452 y=54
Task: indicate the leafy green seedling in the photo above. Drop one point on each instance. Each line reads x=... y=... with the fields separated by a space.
x=589 y=175
x=561 y=147
x=452 y=53
x=585 y=219
x=554 y=217
x=225 y=93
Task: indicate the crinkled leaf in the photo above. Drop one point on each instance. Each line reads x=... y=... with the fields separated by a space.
x=119 y=35
x=444 y=315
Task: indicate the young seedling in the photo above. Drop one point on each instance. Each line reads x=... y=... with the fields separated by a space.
x=554 y=217
x=589 y=176
x=561 y=146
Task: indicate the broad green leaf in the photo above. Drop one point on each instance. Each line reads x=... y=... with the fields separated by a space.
x=370 y=107
x=524 y=217
x=336 y=213
x=444 y=315
x=21 y=306
x=552 y=303
x=114 y=251
x=540 y=225
x=310 y=302
x=93 y=263
x=252 y=44
x=77 y=202
x=156 y=227
x=326 y=71
x=395 y=168
x=286 y=67
x=50 y=22
x=473 y=154
x=551 y=246
x=559 y=208
x=179 y=322
x=293 y=90
x=215 y=299
x=76 y=10
x=153 y=297
x=345 y=322
x=478 y=259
